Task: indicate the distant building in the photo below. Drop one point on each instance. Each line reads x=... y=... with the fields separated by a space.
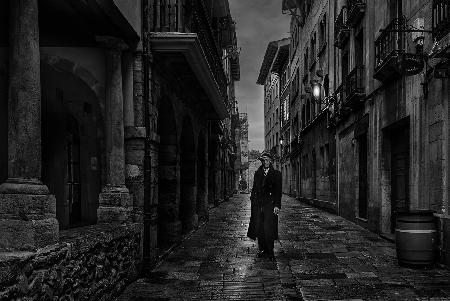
x=243 y=122
x=269 y=76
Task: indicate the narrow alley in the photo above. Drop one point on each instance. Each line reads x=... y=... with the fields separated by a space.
x=320 y=256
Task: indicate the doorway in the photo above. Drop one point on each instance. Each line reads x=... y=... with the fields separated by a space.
x=399 y=173
x=362 y=167
x=73 y=181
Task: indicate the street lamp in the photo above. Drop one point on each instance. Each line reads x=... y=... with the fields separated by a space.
x=316 y=89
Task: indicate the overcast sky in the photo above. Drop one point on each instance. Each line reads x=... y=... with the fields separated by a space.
x=257 y=22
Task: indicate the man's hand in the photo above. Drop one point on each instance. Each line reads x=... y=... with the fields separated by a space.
x=276 y=210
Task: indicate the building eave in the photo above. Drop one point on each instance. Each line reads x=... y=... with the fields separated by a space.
x=267 y=62
x=188 y=44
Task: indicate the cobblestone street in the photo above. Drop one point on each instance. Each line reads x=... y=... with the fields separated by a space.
x=320 y=256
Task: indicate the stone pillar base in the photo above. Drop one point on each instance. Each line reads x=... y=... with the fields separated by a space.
x=170 y=232
x=115 y=205
x=27 y=221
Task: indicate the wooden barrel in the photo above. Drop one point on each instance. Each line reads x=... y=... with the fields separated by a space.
x=416 y=238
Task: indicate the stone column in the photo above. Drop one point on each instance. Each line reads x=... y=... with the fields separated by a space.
x=27 y=210
x=115 y=203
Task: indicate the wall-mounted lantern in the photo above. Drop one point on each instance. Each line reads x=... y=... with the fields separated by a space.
x=316 y=88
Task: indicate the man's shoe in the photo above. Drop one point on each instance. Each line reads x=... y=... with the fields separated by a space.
x=260 y=254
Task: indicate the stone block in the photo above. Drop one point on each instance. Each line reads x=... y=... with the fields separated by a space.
x=115 y=199
x=435 y=131
x=26 y=206
x=28 y=234
x=108 y=214
x=93 y=263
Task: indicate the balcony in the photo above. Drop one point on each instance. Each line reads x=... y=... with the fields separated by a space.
x=181 y=34
x=388 y=46
x=441 y=18
x=355 y=90
x=356 y=10
x=341 y=29
x=341 y=111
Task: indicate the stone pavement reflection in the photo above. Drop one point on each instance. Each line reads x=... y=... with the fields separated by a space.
x=320 y=256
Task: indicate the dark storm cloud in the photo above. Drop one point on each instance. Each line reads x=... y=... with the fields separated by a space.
x=258 y=23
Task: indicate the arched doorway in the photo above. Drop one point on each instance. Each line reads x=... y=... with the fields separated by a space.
x=188 y=215
x=73 y=179
x=169 y=226
x=212 y=171
x=72 y=144
x=202 y=179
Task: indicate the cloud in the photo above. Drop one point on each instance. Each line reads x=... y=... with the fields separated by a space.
x=257 y=22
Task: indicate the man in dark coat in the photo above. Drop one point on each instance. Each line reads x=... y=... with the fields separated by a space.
x=265 y=206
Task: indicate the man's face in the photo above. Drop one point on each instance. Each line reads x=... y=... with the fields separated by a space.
x=266 y=162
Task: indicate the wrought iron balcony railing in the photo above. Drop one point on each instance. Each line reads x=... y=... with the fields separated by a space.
x=190 y=17
x=341 y=29
x=441 y=18
x=391 y=42
x=356 y=10
x=340 y=109
x=355 y=88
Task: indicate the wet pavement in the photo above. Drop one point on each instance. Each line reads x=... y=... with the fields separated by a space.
x=320 y=256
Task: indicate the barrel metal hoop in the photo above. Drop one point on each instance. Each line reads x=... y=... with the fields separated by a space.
x=416 y=231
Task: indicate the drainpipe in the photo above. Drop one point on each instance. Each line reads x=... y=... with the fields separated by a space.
x=336 y=156
x=147 y=260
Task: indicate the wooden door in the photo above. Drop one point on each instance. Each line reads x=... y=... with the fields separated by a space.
x=73 y=185
x=399 y=173
x=362 y=208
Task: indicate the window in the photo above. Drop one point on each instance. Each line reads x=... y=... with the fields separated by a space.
x=308 y=111
x=313 y=49
x=294 y=85
x=305 y=59
x=322 y=33
x=359 y=49
x=345 y=62
x=285 y=110
x=322 y=160
x=303 y=116
x=313 y=110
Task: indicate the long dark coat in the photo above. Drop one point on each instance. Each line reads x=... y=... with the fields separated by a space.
x=266 y=194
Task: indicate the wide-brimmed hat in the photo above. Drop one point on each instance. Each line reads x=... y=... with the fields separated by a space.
x=265 y=154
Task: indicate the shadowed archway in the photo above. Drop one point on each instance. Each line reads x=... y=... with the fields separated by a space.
x=72 y=141
x=169 y=226
x=188 y=208
x=202 y=178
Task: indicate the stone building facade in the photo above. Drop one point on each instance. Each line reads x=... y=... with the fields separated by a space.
x=114 y=137
x=392 y=116
x=270 y=77
x=386 y=111
x=312 y=143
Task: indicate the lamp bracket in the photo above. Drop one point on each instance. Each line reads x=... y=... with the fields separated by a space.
x=293 y=13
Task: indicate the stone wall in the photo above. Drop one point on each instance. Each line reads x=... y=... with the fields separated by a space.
x=89 y=263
